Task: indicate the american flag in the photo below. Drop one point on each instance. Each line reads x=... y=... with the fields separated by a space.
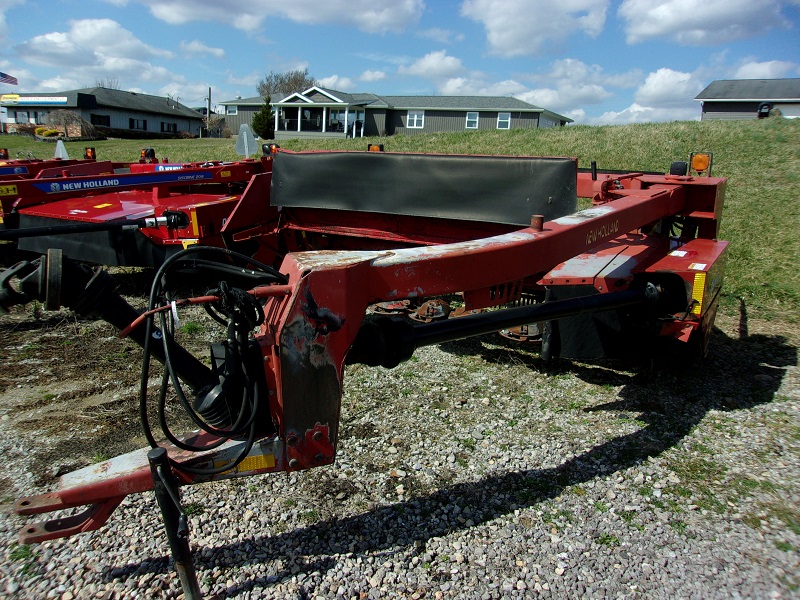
x=6 y=78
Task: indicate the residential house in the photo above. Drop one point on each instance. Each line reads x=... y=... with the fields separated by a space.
x=321 y=112
x=241 y=111
x=113 y=112
x=749 y=98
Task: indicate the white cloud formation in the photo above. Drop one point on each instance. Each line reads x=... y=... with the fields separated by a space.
x=435 y=66
x=7 y=4
x=522 y=27
x=441 y=36
x=465 y=86
x=570 y=85
x=58 y=84
x=637 y=113
x=370 y=76
x=94 y=49
x=371 y=16
x=87 y=43
x=771 y=69
x=196 y=47
x=188 y=94
x=334 y=82
x=668 y=88
x=694 y=23
x=665 y=95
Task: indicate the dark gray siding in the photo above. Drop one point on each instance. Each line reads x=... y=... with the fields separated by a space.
x=729 y=110
x=244 y=115
x=437 y=121
x=375 y=122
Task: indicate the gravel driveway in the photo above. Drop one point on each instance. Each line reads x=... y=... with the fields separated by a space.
x=473 y=470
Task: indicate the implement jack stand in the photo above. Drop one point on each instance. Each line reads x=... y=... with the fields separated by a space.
x=174 y=522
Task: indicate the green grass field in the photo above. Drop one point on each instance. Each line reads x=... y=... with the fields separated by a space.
x=761 y=160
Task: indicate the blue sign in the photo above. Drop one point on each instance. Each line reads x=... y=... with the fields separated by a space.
x=119 y=181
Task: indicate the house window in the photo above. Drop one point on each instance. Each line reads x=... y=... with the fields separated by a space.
x=504 y=120
x=21 y=116
x=231 y=110
x=101 y=120
x=416 y=119
x=137 y=124
x=336 y=119
x=472 y=120
x=169 y=127
x=38 y=117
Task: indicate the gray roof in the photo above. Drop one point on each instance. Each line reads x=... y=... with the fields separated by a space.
x=130 y=101
x=251 y=101
x=461 y=103
x=495 y=103
x=751 y=89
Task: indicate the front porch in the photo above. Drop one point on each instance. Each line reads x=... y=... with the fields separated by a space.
x=318 y=121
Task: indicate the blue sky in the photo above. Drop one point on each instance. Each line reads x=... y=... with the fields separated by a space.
x=596 y=61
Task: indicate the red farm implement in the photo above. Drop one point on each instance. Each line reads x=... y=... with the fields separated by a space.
x=333 y=235
x=131 y=216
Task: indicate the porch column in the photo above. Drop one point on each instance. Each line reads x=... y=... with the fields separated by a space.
x=277 y=110
x=346 y=118
x=324 y=120
x=299 y=117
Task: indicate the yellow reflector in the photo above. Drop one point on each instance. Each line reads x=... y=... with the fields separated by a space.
x=8 y=190
x=697 y=292
x=251 y=463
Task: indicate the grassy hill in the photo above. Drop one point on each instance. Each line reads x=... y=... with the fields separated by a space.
x=761 y=160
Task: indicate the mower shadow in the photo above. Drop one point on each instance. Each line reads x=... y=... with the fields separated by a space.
x=740 y=373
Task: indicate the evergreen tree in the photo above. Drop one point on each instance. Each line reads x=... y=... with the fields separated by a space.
x=264 y=121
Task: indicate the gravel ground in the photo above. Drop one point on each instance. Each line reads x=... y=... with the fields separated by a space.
x=474 y=470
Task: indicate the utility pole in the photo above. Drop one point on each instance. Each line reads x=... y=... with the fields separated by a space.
x=208 y=113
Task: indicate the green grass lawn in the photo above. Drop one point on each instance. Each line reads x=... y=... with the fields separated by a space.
x=761 y=160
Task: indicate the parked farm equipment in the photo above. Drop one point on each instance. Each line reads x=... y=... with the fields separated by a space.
x=331 y=234
x=117 y=208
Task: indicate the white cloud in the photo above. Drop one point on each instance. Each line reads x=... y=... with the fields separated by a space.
x=435 y=66
x=196 y=47
x=249 y=80
x=570 y=85
x=372 y=16
x=95 y=49
x=772 y=69
x=58 y=84
x=7 y=4
x=334 y=82
x=668 y=88
x=637 y=113
x=87 y=43
x=522 y=27
x=372 y=76
x=193 y=94
x=441 y=36
x=464 y=86
x=694 y=23
x=665 y=95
